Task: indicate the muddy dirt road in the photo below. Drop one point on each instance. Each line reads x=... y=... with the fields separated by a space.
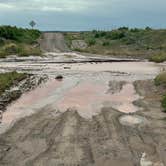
x=100 y=114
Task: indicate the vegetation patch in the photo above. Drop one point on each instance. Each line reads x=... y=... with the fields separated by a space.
x=19 y=41
x=122 y=41
x=163 y=103
x=158 y=58
x=9 y=79
x=161 y=79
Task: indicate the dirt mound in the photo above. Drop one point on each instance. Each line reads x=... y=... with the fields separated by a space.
x=53 y=42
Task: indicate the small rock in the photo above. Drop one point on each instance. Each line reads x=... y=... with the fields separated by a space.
x=59 y=77
x=67 y=68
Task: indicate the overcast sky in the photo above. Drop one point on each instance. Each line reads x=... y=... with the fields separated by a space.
x=83 y=14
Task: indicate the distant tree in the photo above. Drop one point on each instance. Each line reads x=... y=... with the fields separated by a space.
x=148 y=28
x=32 y=24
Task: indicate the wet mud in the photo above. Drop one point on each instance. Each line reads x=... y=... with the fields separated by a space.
x=93 y=118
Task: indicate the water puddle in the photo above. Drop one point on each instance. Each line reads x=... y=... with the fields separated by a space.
x=130 y=120
x=85 y=86
x=89 y=98
x=24 y=105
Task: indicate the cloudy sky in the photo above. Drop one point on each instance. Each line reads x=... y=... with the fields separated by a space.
x=83 y=14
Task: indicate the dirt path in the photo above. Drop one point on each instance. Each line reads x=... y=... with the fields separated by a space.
x=53 y=42
x=116 y=119
x=53 y=138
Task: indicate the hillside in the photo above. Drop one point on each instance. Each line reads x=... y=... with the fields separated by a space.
x=22 y=42
x=123 y=41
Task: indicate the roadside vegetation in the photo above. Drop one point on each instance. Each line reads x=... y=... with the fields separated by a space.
x=123 y=41
x=160 y=80
x=158 y=58
x=18 y=41
x=9 y=79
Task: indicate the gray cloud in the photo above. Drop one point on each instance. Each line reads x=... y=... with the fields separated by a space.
x=83 y=14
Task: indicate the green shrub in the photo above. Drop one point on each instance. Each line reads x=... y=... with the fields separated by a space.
x=158 y=58
x=19 y=34
x=163 y=103
x=106 y=43
x=161 y=79
x=117 y=35
x=11 y=48
x=91 y=42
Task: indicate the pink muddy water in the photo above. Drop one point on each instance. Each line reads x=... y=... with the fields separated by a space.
x=22 y=107
x=87 y=98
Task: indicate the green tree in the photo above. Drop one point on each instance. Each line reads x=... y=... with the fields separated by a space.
x=32 y=24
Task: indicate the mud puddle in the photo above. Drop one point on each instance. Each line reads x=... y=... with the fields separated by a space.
x=86 y=96
x=85 y=88
x=25 y=105
x=88 y=99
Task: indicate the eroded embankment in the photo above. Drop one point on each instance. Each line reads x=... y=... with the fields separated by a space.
x=17 y=89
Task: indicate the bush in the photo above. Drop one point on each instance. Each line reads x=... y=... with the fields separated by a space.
x=158 y=58
x=161 y=79
x=91 y=42
x=163 y=103
x=117 y=35
x=28 y=50
x=135 y=30
x=106 y=43
x=123 y=28
x=19 y=34
x=11 y=48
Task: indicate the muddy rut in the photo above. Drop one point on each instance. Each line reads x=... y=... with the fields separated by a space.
x=52 y=138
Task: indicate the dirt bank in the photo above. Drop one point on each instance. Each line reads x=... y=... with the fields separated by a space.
x=53 y=138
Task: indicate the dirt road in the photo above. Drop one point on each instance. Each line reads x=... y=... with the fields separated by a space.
x=53 y=42
x=98 y=115
x=108 y=138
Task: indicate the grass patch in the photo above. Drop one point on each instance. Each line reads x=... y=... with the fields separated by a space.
x=158 y=58
x=10 y=78
x=19 y=49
